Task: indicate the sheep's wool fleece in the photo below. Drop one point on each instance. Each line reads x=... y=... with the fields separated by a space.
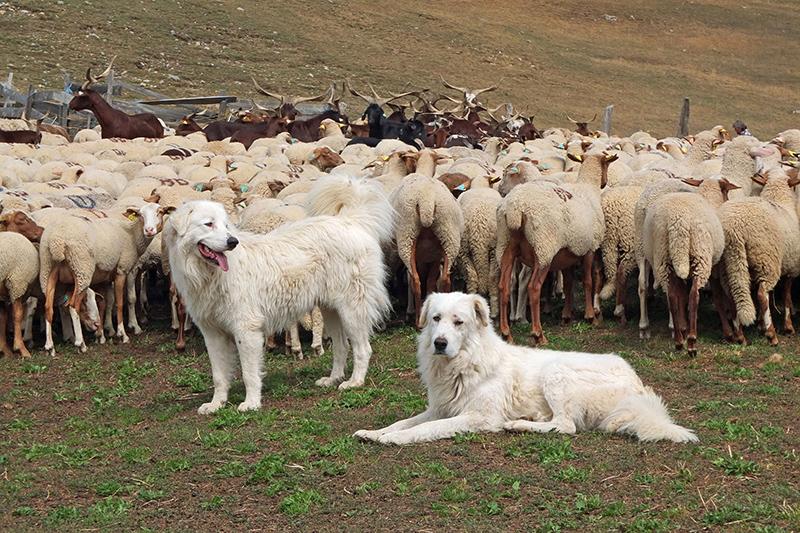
x=19 y=264
x=423 y=202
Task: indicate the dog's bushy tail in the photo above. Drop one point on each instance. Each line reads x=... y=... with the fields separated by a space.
x=645 y=416
x=362 y=201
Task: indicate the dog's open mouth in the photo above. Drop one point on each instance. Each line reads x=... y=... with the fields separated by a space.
x=218 y=258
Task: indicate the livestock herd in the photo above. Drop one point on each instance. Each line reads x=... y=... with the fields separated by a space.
x=484 y=202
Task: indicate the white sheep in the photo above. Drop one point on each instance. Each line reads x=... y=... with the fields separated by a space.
x=477 y=252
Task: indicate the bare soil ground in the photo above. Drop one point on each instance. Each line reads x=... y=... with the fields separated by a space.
x=111 y=440
x=733 y=59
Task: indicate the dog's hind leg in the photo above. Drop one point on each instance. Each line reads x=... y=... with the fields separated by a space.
x=251 y=355
x=340 y=349
x=222 y=354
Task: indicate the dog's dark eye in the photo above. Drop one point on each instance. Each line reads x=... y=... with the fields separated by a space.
x=437 y=318
x=458 y=321
x=209 y=224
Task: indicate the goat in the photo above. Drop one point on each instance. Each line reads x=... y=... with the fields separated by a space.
x=113 y=122
x=582 y=126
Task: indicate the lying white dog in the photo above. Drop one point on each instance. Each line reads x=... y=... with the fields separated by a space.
x=477 y=382
x=239 y=287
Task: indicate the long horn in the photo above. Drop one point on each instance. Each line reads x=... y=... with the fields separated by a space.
x=593 y=118
x=356 y=93
x=265 y=92
x=450 y=86
x=486 y=90
x=572 y=119
x=301 y=99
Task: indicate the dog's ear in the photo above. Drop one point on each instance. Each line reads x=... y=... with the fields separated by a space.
x=481 y=309
x=179 y=221
x=423 y=313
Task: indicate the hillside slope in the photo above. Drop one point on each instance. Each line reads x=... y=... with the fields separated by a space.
x=734 y=61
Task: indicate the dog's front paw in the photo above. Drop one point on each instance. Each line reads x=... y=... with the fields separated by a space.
x=516 y=425
x=327 y=381
x=366 y=434
x=351 y=384
x=209 y=408
x=249 y=406
x=390 y=439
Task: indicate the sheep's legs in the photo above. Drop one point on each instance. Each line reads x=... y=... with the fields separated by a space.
x=317 y=329
x=19 y=315
x=674 y=296
x=588 y=291
x=416 y=287
x=514 y=284
x=694 y=302
x=568 y=277
x=119 y=288
x=644 y=321
x=49 y=300
x=30 y=310
x=521 y=293
x=619 y=289
x=788 y=327
x=769 y=327
x=721 y=305
x=74 y=307
x=293 y=342
x=3 y=327
x=534 y=295
x=504 y=286
x=444 y=283
x=597 y=284
x=130 y=282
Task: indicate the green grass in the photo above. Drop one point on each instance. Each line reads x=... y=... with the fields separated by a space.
x=126 y=448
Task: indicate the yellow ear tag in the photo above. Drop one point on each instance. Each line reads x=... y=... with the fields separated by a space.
x=132 y=217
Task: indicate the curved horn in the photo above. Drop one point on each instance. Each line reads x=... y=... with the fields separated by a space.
x=356 y=93
x=486 y=90
x=593 y=118
x=300 y=99
x=91 y=79
x=450 y=86
x=571 y=119
x=265 y=92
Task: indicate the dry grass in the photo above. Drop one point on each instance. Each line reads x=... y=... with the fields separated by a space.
x=734 y=60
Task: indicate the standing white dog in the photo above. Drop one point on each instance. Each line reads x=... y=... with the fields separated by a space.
x=239 y=287
x=477 y=382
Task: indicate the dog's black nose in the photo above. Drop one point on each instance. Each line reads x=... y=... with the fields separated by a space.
x=232 y=242
x=440 y=344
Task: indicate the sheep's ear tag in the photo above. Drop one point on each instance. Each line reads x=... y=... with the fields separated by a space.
x=244 y=187
x=461 y=187
x=198 y=187
x=544 y=166
x=132 y=217
x=63 y=300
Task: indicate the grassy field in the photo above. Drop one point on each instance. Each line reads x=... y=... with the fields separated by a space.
x=110 y=440
x=735 y=60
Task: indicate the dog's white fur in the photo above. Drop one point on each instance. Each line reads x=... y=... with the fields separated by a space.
x=480 y=383
x=332 y=259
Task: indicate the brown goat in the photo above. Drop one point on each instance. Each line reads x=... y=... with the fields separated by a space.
x=113 y=122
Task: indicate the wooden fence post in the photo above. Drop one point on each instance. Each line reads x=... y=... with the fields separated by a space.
x=683 y=122
x=28 y=103
x=110 y=86
x=607 y=119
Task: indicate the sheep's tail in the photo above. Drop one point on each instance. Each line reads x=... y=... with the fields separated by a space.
x=610 y=255
x=679 y=241
x=644 y=415
x=361 y=201
x=738 y=275
x=426 y=209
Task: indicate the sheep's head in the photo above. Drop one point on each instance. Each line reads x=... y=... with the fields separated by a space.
x=325 y=159
x=714 y=190
x=151 y=216
x=19 y=222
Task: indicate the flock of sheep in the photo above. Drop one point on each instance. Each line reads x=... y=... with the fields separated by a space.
x=513 y=221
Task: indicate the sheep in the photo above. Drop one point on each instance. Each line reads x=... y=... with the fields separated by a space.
x=789 y=226
x=683 y=241
x=86 y=252
x=428 y=234
x=757 y=232
x=19 y=267
x=552 y=227
x=332 y=135
x=477 y=252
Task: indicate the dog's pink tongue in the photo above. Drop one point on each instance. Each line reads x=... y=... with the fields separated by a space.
x=222 y=261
